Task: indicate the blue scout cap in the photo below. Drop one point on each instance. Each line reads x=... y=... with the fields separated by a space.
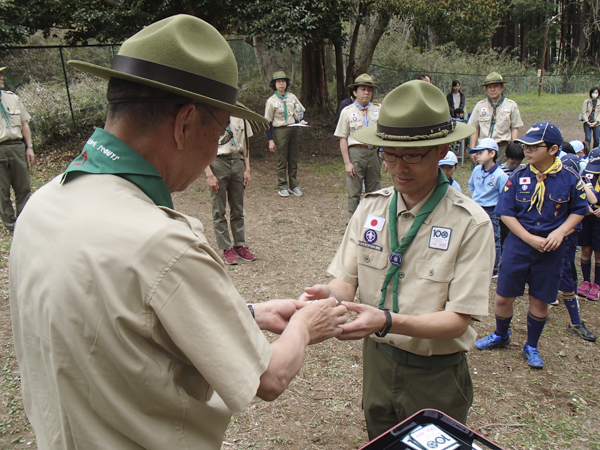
x=485 y=144
x=542 y=132
x=571 y=161
x=593 y=164
x=449 y=160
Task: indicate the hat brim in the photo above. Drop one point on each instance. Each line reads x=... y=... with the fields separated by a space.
x=593 y=167
x=369 y=136
x=493 y=82
x=371 y=85
x=529 y=140
x=237 y=110
x=447 y=163
x=2 y=68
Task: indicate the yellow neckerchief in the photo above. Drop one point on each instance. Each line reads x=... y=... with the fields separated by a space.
x=540 y=187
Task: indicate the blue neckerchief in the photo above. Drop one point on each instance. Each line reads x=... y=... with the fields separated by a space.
x=450 y=181
x=487 y=172
x=364 y=110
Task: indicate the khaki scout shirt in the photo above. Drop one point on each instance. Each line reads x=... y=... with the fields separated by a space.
x=274 y=109
x=507 y=117
x=128 y=331
x=352 y=119
x=17 y=115
x=448 y=266
x=236 y=145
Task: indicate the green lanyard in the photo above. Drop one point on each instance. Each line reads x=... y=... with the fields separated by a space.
x=399 y=249
x=282 y=97
x=495 y=106
x=105 y=153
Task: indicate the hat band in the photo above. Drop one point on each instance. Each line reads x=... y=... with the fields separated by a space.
x=172 y=77
x=435 y=131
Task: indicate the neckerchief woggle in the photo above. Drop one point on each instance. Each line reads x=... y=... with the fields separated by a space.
x=399 y=249
x=364 y=109
x=105 y=153
x=540 y=187
x=4 y=113
x=282 y=97
x=495 y=107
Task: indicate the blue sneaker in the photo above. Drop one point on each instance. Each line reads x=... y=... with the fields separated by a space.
x=533 y=357
x=493 y=341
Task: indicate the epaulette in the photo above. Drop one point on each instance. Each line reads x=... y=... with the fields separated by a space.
x=475 y=211
x=386 y=192
x=518 y=169
x=570 y=170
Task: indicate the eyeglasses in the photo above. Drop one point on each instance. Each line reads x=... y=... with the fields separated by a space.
x=228 y=136
x=532 y=148
x=408 y=159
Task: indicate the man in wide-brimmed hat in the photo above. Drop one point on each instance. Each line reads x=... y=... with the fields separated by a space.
x=360 y=160
x=422 y=254
x=495 y=117
x=128 y=332
x=16 y=153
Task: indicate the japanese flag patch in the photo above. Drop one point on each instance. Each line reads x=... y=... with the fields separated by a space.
x=440 y=238
x=374 y=223
x=525 y=180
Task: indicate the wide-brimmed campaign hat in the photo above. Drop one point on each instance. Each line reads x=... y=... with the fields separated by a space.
x=493 y=78
x=415 y=114
x=363 y=80
x=542 y=132
x=183 y=55
x=280 y=76
x=2 y=68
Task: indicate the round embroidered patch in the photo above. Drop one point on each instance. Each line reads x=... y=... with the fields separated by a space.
x=396 y=259
x=370 y=236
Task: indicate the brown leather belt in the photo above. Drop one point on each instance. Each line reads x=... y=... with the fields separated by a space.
x=370 y=147
x=11 y=142
x=410 y=359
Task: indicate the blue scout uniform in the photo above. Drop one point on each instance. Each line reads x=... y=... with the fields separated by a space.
x=486 y=185
x=590 y=234
x=520 y=262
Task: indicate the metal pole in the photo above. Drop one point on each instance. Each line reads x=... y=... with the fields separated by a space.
x=62 y=60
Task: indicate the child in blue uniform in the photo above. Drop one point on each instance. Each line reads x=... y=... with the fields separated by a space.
x=449 y=165
x=589 y=238
x=514 y=158
x=540 y=203
x=486 y=184
x=568 y=280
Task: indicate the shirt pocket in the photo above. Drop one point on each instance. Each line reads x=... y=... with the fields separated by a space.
x=371 y=258
x=433 y=280
x=14 y=115
x=524 y=197
x=558 y=205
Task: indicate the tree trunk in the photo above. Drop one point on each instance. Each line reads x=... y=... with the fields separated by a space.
x=374 y=33
x=350 y=71
x=341 y=90
x=314 y=76
x=430 y=38
x=267 y=59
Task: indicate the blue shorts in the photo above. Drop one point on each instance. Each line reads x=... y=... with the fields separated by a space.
x=567 y=281
x=590 y=235
x=522 y=264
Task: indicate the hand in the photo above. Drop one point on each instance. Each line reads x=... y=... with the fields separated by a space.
x=596 y=212
x=384 y=167
x=274 y=315
x=537 y=242
x=304 y=122
x=213 y=183
x=246 y=178
x=29 y=155
x=554 y=239
x=322 y=319
x=474 y=157
x=316 y=292
x=350 y=170
x=369 y=320
x=272 y=146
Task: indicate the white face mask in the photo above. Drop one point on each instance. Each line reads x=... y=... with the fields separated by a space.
x=595 y=95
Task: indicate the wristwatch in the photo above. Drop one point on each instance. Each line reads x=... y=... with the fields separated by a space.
x=29 y=145
x=388 y=323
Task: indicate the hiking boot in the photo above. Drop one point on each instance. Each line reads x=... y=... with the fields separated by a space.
x=584 y=288
x=581 y=331
x=243 y=252
x=283 y=192
x=531 y=354
x=296 y=191
x=493 y=341
x=230 y=256
x=594 y=293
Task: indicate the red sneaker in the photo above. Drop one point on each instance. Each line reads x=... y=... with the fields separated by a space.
x=243 y=252
x=594 y=293
x=230 y=256
x=584 y=288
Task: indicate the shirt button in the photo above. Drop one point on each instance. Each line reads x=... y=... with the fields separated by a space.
x=538 y=223
x=367 y=259
x=386 y=192
x=392 y=343
x=406 y=216
x=401 y=274
x=460 y=201
x=431 y=272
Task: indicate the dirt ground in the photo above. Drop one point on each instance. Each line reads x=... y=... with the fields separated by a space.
x=295 y=239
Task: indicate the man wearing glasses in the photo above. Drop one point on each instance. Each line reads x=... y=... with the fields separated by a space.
x=422 y=255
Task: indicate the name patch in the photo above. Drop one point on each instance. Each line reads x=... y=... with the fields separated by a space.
x=371 y=246
x=440 y=238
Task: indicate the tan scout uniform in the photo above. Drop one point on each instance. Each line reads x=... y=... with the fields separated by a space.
x=14 y=169
x=286 y=138
x=157 y=345
x=507 y=118
x=367 y=164
x=443 y=269
x=229 y=167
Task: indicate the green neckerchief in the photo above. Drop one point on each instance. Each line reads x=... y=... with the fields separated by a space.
x=282 y=97
x=399 y=249
x=495 y=107
x=4 y=113
x=105 y=153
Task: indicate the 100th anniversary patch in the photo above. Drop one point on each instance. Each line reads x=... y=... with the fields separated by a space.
x=440 y=238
